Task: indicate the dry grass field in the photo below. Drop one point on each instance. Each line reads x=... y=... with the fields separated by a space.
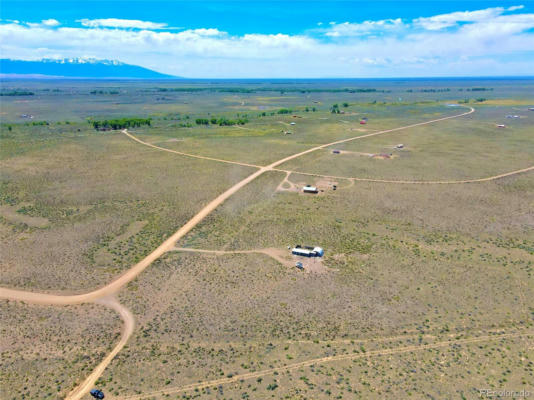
x=45 y=350
x=89 y=207
x=465 y=148
x=425 y=291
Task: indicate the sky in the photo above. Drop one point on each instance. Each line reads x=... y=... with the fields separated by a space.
x=279 y=39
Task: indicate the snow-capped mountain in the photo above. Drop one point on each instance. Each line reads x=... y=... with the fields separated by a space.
x=76 y=68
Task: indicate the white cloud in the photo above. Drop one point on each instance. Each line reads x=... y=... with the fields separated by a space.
x=481 y=42
x=442 y=21
x=50 y=22
x=347 y=29
x=121 y=23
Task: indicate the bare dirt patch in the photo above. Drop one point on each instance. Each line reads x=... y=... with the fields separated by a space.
x=384 y=156
x=104 y=257
x=10 y=213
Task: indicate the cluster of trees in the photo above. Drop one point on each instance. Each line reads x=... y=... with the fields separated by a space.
x=284 y=111
x=478 y=100
x=17 y=93
x=442 y=90
x=120 y=123
x=221 y=121
x=335 y=108
x=104 y=92
x=38 y=123
x=267 y=89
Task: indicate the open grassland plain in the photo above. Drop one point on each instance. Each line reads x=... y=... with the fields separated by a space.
x=470 y=147
x=266 y=139
x=79 y=210
x=424 y=290
x=45 y=351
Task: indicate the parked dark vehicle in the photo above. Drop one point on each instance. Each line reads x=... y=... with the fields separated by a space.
x=97 y=394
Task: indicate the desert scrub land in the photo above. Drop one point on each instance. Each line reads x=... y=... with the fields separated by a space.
x=81 y=208
x=458 y=370
x=207 y=317
x=410 y=266
x=45 y=351
x=435 y=279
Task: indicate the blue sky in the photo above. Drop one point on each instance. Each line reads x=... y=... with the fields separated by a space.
x=251 y=39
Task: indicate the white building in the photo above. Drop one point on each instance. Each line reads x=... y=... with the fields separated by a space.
x=307 y=251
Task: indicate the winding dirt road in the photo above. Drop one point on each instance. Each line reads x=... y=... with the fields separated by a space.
x=104 y=294
x=127 y=330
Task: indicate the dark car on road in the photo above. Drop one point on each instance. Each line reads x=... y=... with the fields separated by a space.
x=97 y=394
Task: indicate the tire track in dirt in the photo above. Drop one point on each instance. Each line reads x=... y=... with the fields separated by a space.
x=369 y=354
x=270 y=252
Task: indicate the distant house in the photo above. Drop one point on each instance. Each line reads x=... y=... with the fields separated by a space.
x=399 y=146
x=292 y=123
x=336 y=151
x=501 y=126
x=307 y=251
x=310 y=189
x=363 y=122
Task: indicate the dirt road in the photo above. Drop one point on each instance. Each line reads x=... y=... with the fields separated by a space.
x=127 y=330
x=125 y=131
x=275 y=254
x=114 y=286
x=487 y=179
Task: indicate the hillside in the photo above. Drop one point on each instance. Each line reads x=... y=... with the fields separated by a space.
x=77 y=68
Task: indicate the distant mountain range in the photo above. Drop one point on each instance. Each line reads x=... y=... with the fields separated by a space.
x=76 y=68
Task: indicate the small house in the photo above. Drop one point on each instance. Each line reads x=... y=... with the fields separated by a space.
x=299 y=251
x=336 y=151
x=399 y=146
x=501 y=126
x=310 y=189
x=292 y=123
x=307 y=251
x=363 y=122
